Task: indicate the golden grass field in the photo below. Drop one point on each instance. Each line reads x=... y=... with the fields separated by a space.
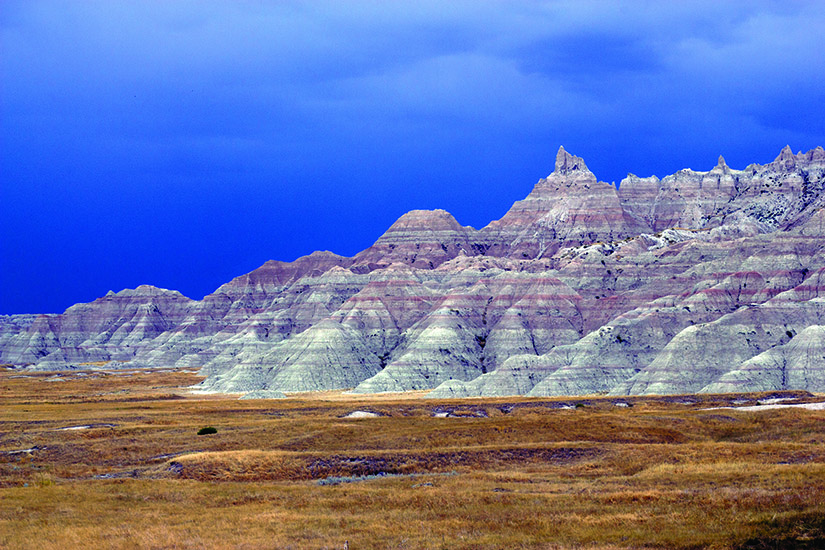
x=493 y=473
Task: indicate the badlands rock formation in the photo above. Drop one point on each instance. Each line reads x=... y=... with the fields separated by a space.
x=699 y=282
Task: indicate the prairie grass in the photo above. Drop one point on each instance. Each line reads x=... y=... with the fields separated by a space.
x=131 y=471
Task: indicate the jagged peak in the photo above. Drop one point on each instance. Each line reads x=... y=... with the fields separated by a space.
x=814 y=155
x=721 y=165
x=786 y=158
x=567 y=163
x=785 y=153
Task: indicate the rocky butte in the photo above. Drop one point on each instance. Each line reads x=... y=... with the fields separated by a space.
x=697 y=282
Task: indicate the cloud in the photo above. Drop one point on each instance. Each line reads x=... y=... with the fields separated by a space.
x=286 y=115
x=224 y=72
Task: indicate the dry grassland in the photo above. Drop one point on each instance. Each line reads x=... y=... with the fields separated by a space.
x=113 y=460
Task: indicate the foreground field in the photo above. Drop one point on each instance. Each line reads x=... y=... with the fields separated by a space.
x=113 y=460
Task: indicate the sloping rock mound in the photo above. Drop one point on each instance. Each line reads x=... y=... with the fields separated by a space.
x=713 y=349
x=115 y=326
x=474 y=331
x=420 y=238
x=517 y=376
x=798 y=363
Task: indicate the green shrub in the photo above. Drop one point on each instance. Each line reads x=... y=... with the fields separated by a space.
x=43 y=480
x=207 y=431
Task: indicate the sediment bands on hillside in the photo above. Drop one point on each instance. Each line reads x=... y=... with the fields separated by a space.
x=699 y=282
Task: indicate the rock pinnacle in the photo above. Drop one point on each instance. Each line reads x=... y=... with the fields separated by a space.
x=566 y=163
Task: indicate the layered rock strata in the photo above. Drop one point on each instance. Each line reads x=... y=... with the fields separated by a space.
x=696 y=282
x=567 y=208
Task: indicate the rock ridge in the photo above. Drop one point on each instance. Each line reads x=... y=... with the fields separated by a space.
x=701 y=281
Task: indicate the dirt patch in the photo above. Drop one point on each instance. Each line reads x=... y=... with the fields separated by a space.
x=279 y=465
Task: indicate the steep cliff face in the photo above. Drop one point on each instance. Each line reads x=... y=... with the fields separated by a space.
x=686 y=199
x=700 y=281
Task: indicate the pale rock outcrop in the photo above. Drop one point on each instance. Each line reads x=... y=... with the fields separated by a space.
x=475 y=331
x=517 y=376
x=628 y=344
x=687 y=199
x=800 y=363
x=340 y=351
x=254 y=312
x=35 y=340
x=713 y=349
x=327 y=356
x=264 y=394
x=769 y=195
x=11 y=326
x=115 y=326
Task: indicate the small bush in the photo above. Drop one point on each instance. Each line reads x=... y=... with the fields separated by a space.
x=44 y=480
x=207 y=431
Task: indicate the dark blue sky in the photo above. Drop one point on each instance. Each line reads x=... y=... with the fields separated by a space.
x=183 y=143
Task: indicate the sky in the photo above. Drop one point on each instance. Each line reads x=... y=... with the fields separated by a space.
x=183 y=143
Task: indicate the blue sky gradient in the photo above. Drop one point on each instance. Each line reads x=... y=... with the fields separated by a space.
x=183 y=143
